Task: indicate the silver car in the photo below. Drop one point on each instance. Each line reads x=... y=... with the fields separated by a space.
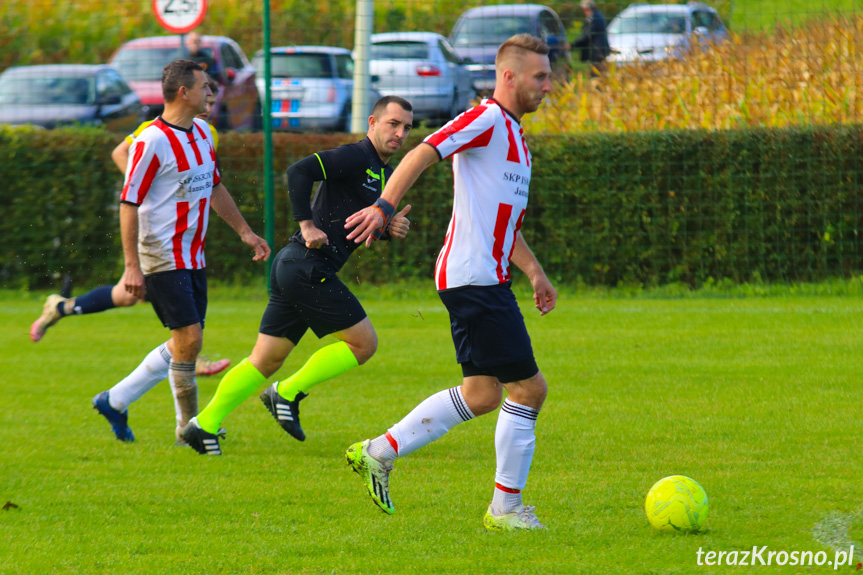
x=424 y=69
x=311 y=87
x=653 y=32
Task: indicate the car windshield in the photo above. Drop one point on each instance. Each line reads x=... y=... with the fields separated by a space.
x=46 y=91
x=400 y=51
x=648 y=23
x=490 y=31
x=298 y=65
x=143 y=64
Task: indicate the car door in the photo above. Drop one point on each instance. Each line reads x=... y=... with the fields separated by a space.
x=240 y=96
x=551 y=30
x=117 y=106
x=459 y=74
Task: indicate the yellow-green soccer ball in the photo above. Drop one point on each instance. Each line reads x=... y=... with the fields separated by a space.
x=676 y=503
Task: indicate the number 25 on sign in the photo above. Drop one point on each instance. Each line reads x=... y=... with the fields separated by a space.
x=180 y=16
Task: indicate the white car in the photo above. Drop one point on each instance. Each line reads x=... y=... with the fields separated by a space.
x=653 y=32
x=424 y=69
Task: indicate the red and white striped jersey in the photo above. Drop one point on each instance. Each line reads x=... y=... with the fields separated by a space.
x=170 y=177
x=491 y=169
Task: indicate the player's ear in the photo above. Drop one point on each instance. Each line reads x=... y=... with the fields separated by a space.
x=371 y=122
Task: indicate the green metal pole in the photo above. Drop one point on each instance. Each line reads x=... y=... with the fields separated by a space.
x=269 y=202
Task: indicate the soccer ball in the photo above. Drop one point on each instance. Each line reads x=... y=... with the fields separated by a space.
x=676 y=503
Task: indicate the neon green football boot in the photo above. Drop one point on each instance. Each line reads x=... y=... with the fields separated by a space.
x=375 y=474
x=519 y=518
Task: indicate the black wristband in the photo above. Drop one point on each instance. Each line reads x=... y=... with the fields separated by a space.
x=387 y=210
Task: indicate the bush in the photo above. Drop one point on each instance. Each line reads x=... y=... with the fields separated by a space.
x=652 y=208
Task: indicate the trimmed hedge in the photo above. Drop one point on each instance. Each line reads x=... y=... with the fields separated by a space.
x=646 y=209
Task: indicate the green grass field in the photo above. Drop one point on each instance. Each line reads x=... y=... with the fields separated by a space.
x=757 y=398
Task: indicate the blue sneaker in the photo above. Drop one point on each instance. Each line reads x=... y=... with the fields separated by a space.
x=119 y=421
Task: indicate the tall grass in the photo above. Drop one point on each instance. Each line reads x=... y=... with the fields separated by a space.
x=807 y=75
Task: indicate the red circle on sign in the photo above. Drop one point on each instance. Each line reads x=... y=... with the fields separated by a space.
x=179 y=29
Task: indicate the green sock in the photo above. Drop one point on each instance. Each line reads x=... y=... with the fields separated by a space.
x=235 y=387
x=326 y=363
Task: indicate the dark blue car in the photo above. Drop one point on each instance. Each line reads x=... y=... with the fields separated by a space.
x=479 y=32
x=64 y=94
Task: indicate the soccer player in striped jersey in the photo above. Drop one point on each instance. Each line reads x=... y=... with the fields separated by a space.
x=305 y=292
x=491 y=168
x=172 y=181
x=111 y=296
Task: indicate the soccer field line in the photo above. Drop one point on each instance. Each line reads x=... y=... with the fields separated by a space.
x=834 y=531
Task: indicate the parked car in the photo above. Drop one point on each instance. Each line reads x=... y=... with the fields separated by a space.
x=649 y=33
x=237 y=106
x=423 y=68
x=62 y=94
x=311 y=87
x=479 y=32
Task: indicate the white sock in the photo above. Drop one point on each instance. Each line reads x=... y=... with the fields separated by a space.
x=185 y=390
x=504 y=500
x=514 y=442
x=428 y=421
x=151 y=371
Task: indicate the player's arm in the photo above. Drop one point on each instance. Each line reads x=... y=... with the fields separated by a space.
x=133 y=278
x=544 y=294
x=302 y=176
x=224 y=205
x=120 y=155
x=374 y=217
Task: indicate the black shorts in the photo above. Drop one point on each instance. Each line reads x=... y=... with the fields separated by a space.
x=306 y=293
x=489 y=333
x=179 y=297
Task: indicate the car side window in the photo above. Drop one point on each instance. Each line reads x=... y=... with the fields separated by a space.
x=230 y=58
x=700 y=19
x=547 y=25
x=448 y=53
x=345 y=66
x=108 y=84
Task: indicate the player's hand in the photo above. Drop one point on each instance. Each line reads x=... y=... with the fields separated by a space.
x=259 y=245
x=544 y=294
x=133 y=281
x=400 y=225
x=314 y=236
x=364 y=222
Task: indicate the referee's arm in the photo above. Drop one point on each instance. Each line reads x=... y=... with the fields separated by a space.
x=367 y=220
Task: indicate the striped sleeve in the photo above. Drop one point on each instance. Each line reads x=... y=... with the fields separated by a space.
x=142 y=169
x=472 y=129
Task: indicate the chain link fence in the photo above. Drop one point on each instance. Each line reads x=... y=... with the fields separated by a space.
x=630 y=76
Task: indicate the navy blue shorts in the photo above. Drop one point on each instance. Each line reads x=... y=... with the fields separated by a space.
x=489 y=333
x=179 y=297
x=305 y=293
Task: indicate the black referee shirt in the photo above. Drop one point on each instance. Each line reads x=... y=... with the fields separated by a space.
x=352 y=177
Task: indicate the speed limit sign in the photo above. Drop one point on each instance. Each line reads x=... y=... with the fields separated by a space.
x=180 y=16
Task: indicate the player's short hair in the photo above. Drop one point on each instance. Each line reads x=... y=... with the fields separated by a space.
x=214 y=85
x=519 y=45
x=381 y=105
x=589 y=4
x=178 y=73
